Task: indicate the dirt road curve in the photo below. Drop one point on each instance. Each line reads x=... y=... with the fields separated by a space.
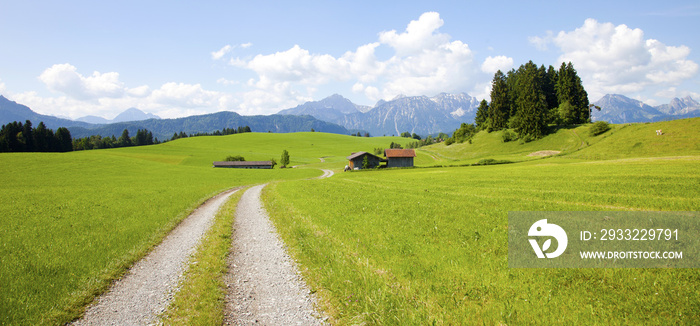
x=264 y=286
x=326 y=174
x=146 y=290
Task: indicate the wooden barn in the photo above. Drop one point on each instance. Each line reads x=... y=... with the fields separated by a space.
x=243 y=164
x=357 y=158
x=399 y=158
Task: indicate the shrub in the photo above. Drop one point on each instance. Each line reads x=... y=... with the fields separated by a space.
x=234 y=158
x=491 y=161
x=509 y=135
x=599 y=127
x=449 y=141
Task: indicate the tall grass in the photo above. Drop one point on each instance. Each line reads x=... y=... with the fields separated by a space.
x=429 y=246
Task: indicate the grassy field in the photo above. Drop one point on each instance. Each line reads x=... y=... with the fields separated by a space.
x=72 y=222
x=429 y=246
x=395 y=246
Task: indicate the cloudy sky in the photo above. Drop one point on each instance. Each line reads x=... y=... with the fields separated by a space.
x=178 y=58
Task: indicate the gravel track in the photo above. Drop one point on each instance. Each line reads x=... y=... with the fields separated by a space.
x=147 y=288
x=326 y=174
x=264 y=285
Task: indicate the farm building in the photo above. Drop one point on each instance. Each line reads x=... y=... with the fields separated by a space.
x=356 y=160
x=399 y=158
x=243 y=164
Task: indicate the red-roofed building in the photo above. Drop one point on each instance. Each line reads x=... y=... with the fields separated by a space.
x=399 y=158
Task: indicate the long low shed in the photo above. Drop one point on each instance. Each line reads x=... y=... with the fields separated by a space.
x=244 y=164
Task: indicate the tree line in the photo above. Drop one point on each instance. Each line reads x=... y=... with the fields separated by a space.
x=18 y=137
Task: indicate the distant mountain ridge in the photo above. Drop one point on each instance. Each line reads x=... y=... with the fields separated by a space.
x=416 y=114
x=616 y=108
x=165 y=128
x=131 y=114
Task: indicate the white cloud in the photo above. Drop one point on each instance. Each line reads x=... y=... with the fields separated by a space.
x=187 y=96
x=420 y=34
x=216 y=55
x=246 y=45
x=2 y=87
x=493 y=64
x=104 y=95
x=65 y=78
x=618 y=59
x=424 y=61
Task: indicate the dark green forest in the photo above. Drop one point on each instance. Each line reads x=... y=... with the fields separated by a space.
x=529 y=100
x=18 y=137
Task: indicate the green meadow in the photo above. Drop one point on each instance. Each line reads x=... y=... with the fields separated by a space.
x=429 y=246
x=73 y=222
x=399 y=246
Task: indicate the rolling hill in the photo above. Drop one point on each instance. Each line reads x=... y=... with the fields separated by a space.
x=680 y=137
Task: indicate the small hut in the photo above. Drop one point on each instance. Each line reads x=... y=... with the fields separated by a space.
x=243 y=164
x=399 y=158
x=356 y=160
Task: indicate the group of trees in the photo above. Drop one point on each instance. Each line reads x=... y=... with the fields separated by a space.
x=530 y=98
x=18 y=137
x=143 y=137
x=407 y=134
x=223 y=132
x=358 y=134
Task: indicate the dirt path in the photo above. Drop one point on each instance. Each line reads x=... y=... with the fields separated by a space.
x=146 y=290
x=326 y=174
x=264 y=285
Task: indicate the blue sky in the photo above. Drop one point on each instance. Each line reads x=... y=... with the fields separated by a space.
x=177 y=58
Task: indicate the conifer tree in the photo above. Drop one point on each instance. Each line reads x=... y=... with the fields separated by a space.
x=531 y=118
x=499 y=111
x=482 y=115
x=570 y=89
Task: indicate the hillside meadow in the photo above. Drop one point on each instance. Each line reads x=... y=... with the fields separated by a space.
x=680 y=137
x=72 y=222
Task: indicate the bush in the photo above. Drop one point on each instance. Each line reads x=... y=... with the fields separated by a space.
x=491 y=161
x=509 y=135
x=599 y=127
x=234 y=158
x=449 y=141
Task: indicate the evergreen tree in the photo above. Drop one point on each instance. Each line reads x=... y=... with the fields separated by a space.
x=64 y=140
x=28 y=137
x=570 y=89
x=530 y=121
x=41 y=141
x=482 y=115
x=125 y=140
x=499 y=111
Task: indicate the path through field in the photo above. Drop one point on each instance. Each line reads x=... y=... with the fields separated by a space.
x=264 y=285
x=146 y=290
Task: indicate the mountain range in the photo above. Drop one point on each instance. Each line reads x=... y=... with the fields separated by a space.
x=131 y=114
x=335 y=114
x=616 y=108
x=164 y=128
x=416 y=114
